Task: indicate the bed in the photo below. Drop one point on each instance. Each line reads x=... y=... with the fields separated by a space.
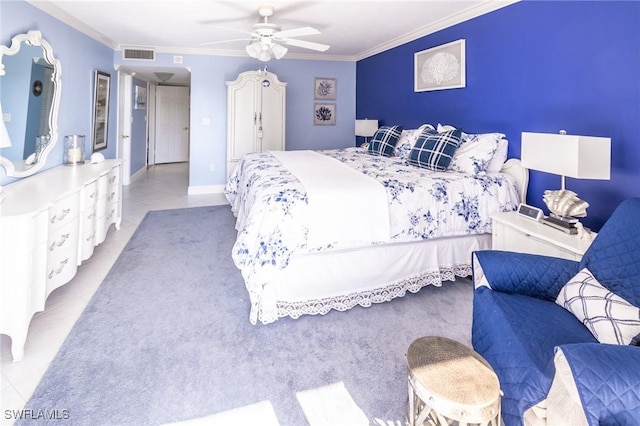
x=302 y=251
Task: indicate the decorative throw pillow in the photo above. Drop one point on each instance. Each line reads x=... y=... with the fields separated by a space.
x=434 y=151
x=384 y=140
x=499 y=157
x=475 y=153
x=408 y=138
x=609 y=317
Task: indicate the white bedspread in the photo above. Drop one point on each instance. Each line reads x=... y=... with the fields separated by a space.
x=357 y=212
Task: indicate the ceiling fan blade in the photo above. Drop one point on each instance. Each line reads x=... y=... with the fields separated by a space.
x=297 y=32
x=305 y=44
x=219 y=27
x=225 y=41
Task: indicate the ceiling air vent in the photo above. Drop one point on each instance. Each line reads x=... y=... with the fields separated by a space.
x=141 y=54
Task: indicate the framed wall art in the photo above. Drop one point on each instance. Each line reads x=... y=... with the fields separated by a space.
x=140 y=97
x=101 y=110
x=325 y=88
x=441 y=67
x=324 y=114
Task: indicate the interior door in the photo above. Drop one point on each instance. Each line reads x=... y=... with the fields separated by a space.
x=125 y=82
x=172 y=124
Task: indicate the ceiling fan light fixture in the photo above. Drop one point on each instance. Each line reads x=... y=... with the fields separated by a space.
x=264 y=55
x=254 y=49
x=278 y=51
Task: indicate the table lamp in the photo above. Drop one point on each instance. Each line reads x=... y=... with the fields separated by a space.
x=580 y=157
x=366 y=128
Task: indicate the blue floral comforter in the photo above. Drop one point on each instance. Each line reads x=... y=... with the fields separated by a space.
x=272 y=220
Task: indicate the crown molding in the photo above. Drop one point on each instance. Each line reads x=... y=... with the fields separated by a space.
x=488 y=6
x=51 y=9
x=235 y=53
x=470 y=13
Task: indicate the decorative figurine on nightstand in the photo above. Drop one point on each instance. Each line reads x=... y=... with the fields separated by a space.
x=566 y=208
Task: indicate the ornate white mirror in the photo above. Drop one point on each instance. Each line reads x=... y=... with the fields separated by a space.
x=29 y=99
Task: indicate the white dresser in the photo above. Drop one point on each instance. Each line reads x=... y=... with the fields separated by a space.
x=49 y=223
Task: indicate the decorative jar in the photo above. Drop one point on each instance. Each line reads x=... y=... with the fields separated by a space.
x=74 y=149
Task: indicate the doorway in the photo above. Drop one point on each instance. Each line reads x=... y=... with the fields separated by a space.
x=171 y=125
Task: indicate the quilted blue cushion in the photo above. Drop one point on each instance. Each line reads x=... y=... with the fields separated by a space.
x=384 y=141
x=434 y=151
x=517 y=335
x=614 y=255
x=608 y=381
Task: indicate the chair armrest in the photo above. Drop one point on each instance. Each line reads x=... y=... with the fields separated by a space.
x=607 y=379
x=522 y=273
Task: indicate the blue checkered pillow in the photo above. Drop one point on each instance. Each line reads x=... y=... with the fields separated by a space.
x=434 y=151
x=384 y=140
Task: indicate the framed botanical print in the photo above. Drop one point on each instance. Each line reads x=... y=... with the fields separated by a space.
x=441 y=67
x=324 y=88
x=101 y=110
x=324 y=114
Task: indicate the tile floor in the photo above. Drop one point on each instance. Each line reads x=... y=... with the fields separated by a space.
x=161 y=187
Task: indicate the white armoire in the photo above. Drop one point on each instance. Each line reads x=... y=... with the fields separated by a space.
x=255 y=115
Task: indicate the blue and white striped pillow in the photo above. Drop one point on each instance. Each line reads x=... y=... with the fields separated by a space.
x=434 y=151
x=384 y=140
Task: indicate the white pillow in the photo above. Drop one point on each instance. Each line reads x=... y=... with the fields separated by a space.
x=500 y=156
x=496 y=162
x=609 y=317
x=475 y=153
x=445 y=128
x=408 y=138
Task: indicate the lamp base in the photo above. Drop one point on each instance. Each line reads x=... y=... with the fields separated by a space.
x=565 y=203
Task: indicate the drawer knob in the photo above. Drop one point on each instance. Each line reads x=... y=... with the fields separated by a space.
x=60 y=268
x=61 y=215
x=60 y=242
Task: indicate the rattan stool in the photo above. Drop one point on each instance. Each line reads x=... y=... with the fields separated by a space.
x=449 y=382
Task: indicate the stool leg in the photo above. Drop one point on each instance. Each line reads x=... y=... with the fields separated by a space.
x=412 y=409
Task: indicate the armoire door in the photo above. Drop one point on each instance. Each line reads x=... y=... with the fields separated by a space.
x=272 y=110
x=243 y=119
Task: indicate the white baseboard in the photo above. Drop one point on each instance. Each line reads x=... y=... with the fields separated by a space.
x=137 y=175
x=206 y=189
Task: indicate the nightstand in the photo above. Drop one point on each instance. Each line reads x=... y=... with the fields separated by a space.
x=513 y=232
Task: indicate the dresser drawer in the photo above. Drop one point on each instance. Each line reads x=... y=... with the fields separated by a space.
x=62 y=255
x=64 y=210
x=90 y=195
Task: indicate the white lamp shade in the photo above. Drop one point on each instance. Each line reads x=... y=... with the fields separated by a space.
x=366 y=128
x=580 y=157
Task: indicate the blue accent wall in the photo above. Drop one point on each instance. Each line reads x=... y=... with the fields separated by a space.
x=537 y=66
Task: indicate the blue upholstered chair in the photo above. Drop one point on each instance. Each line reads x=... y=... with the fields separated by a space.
x=552 y=367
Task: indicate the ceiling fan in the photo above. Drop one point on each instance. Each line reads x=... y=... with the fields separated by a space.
x=265 y=38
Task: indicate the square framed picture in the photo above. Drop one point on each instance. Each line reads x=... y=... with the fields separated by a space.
x=441 y=67
x=324 y=88
x=324 y=114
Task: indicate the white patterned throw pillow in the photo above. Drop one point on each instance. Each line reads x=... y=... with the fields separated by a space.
x=609 y=317
x=475 y=153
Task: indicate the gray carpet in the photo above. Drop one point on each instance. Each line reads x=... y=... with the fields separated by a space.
x=167 y=337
